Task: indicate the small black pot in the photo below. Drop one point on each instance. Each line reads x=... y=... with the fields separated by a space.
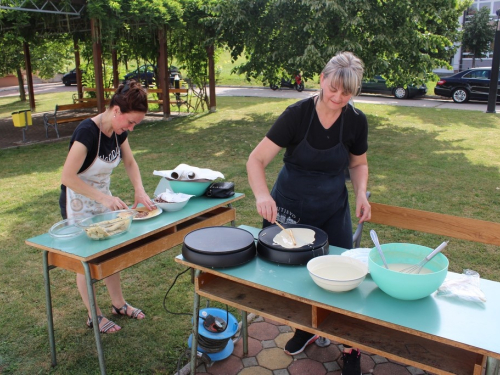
x=267 y=249
x=219 y=247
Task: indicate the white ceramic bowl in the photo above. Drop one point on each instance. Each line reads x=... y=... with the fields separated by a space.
x=171 y=206
x=337 y=273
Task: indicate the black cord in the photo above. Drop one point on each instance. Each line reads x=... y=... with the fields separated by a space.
x=166 y=294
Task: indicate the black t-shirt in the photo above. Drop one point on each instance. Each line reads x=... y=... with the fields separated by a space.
x=87 y=133
x=291 y=127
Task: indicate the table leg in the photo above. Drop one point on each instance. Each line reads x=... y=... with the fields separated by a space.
x=244 y=327
x=492 y=366
x=196 y=314
x=48 y=303
x=93 y=312
x=233 y=222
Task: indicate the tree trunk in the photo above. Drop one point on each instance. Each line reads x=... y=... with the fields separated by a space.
x=20 y=81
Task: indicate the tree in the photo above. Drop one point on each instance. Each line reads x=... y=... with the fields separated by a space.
x=404 y=40
x=478 y=34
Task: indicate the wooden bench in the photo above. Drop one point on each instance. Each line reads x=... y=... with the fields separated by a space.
x=474 y=230
x=53 y=119
x=181 y=97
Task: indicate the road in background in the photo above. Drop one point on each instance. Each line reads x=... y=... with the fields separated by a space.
x=423 y=102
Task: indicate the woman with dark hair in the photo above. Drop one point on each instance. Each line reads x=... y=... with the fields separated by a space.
x=96 y=148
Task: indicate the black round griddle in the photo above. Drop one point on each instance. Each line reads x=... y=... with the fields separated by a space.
x=267 y=249
x=219 y=247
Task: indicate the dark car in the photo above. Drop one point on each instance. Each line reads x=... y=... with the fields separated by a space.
x=69 y=78
x=470 y=84
x=377 y=85
x=146 y=74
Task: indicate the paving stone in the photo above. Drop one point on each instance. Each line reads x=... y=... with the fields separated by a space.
x=268 y=344
x=284 y=329
x=282 y=339
x=230 y=365
x=253 y=371
x=299 y=356
x=249 y=361
x=281 y=372
x=390 y=369
x=254 y=347
x=306 y=367
x=415 y=371
x=263 y=331
x=379 y=359
x=326 y=354
x=274 y=359
x=331 y=366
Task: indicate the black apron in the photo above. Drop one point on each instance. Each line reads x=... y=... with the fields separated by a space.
x=310 y=189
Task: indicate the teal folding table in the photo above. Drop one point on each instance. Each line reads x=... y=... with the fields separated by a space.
x=145 y=239
x=436 y=334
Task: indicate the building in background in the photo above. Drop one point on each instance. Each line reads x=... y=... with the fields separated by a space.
x=462 y=59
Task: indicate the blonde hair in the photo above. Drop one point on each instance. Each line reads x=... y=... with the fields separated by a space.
x=345 y=68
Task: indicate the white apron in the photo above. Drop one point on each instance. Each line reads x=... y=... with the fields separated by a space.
x=98 y=175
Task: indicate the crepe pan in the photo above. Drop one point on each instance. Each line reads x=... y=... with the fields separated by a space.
x=219 y=247
x=267 y=249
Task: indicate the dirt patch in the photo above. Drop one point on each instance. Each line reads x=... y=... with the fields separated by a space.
x=11 y=137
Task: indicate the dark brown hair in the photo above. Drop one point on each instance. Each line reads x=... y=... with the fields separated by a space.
x=130 y=97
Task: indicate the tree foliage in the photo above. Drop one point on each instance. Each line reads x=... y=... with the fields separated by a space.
x=402 y=39
x=478 y=34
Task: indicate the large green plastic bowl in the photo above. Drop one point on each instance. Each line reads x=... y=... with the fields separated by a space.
x=407 y=286
x=191 y=187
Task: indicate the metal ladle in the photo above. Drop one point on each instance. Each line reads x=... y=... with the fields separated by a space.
x=374 y=237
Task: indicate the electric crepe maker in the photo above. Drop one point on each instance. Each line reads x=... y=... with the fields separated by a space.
x=219 y=247
x=271 y=251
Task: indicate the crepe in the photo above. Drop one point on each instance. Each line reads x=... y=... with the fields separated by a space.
x=303 y=237
x=143 y=213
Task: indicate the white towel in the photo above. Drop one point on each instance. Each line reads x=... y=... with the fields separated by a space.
x=186 y=172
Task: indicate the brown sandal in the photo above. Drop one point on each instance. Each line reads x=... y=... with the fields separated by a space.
x=123 y=311
x=105 y=328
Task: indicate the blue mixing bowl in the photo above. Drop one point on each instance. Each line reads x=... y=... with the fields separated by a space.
x=407 y=286
x=191 y=187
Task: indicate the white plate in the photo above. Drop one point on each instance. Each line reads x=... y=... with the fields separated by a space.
x=152 y=213
x=359 y=254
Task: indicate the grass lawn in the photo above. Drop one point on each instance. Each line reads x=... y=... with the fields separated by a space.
x=431 y=159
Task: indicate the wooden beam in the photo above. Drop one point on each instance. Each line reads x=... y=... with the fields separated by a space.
x=97 y=55
x=211 y=78
x=78 y=71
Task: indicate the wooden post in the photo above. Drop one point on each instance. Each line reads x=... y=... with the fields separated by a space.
x=211 y=78
x=97 y=55
x=114 y=59
x=79 y=88
x=164 y=72
x=29 y=75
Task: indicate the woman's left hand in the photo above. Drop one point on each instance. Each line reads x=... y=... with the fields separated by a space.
x=142 y=197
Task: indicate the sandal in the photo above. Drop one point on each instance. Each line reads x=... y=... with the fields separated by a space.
x=123 y=311
x=105 y=328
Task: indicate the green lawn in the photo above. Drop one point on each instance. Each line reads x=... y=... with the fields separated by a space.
x=439 y=160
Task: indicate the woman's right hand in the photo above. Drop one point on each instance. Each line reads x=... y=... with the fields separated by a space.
x=114 y=203
x=266 y=207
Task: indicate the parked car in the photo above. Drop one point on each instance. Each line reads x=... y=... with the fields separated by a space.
x=469 y=84
x=377 y=85
x=69 y=78
x=146 y=74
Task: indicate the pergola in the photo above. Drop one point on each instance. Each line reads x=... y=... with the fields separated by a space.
x=72 y=13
